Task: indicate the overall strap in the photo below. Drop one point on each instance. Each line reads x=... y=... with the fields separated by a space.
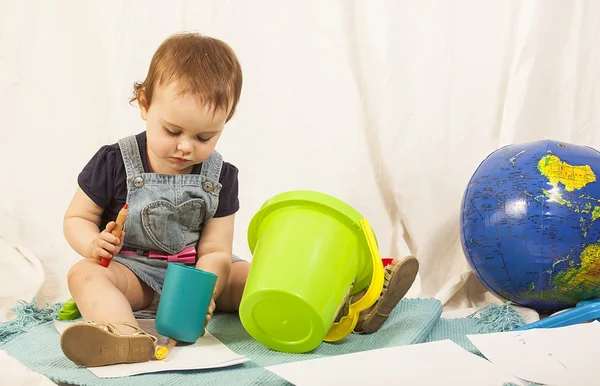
x=211 y=168
x=131 y=156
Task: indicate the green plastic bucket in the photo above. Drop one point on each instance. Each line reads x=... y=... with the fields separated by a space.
x=308 y=249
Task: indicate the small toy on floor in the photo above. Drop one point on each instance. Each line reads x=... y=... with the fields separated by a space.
x=69 y=311
x=163 y=351
x=584 y=311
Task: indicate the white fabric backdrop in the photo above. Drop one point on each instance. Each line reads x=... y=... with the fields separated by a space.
x=388 y=105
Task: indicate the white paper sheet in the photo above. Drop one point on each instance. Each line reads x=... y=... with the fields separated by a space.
x=441 y=362
x=556 y=356
x=208 y=352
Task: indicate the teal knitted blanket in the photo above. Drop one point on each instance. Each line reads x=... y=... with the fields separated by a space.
x=36 y=344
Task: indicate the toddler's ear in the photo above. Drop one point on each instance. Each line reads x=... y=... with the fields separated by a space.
x=141 y=97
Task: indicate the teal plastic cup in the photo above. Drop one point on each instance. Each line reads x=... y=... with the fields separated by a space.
x=184 y=302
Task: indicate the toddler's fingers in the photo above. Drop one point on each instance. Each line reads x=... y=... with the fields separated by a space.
x=111 y=248
x=103 y=253
x=110 y=238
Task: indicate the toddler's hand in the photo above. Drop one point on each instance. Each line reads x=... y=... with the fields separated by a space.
x=211 y=309
x=106 y=244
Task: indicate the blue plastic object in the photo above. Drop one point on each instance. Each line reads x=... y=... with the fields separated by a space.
x=184 y=302
x=584 y=311
x=529 y=225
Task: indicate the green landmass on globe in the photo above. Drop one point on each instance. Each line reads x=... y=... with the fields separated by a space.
x=580 y=281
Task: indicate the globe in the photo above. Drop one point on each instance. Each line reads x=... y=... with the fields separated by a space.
x=530 y=224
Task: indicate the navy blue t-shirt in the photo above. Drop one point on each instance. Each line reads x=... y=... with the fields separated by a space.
x=103 y=179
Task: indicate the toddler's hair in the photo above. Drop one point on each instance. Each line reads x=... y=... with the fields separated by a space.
x=204 y=67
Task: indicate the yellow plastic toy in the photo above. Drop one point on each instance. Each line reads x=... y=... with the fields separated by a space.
x=345 y=326
x=163 y=351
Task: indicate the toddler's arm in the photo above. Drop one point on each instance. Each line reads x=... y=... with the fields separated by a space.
x=215 y=249
x=81 y=229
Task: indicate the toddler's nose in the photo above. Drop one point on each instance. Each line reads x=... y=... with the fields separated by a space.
x=184 y=146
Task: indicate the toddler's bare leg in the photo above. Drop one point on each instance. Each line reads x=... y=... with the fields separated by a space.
x=229 y=300
x=108 y=295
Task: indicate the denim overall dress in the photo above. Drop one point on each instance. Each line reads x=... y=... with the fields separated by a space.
x=166 y=215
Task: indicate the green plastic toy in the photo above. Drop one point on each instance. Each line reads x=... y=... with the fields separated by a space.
x=309 y=253
x=69 y=311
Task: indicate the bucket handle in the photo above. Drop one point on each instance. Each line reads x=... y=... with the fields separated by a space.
x=347 y=323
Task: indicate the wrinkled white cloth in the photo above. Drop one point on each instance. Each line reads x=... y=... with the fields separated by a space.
x=388 y=106
x=13 y=373
x=21 y=272
x=22 y=276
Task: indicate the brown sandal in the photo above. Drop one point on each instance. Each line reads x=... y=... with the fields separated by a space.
x=399 y=278
x=99 y=344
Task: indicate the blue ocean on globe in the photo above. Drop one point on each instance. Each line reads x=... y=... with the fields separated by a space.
x=530 y=224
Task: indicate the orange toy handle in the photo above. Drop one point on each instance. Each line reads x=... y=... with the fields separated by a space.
x=116 y=232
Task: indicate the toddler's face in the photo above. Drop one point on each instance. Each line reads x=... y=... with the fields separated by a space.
x=181 y=132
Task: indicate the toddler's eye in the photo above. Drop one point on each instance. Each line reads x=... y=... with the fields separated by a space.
x=203 y=139
x=172 y=134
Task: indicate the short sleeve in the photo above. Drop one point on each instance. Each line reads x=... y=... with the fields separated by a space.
x=228 y=197
x=97 y=177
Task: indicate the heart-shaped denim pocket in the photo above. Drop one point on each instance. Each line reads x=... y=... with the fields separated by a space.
x=167 y=224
